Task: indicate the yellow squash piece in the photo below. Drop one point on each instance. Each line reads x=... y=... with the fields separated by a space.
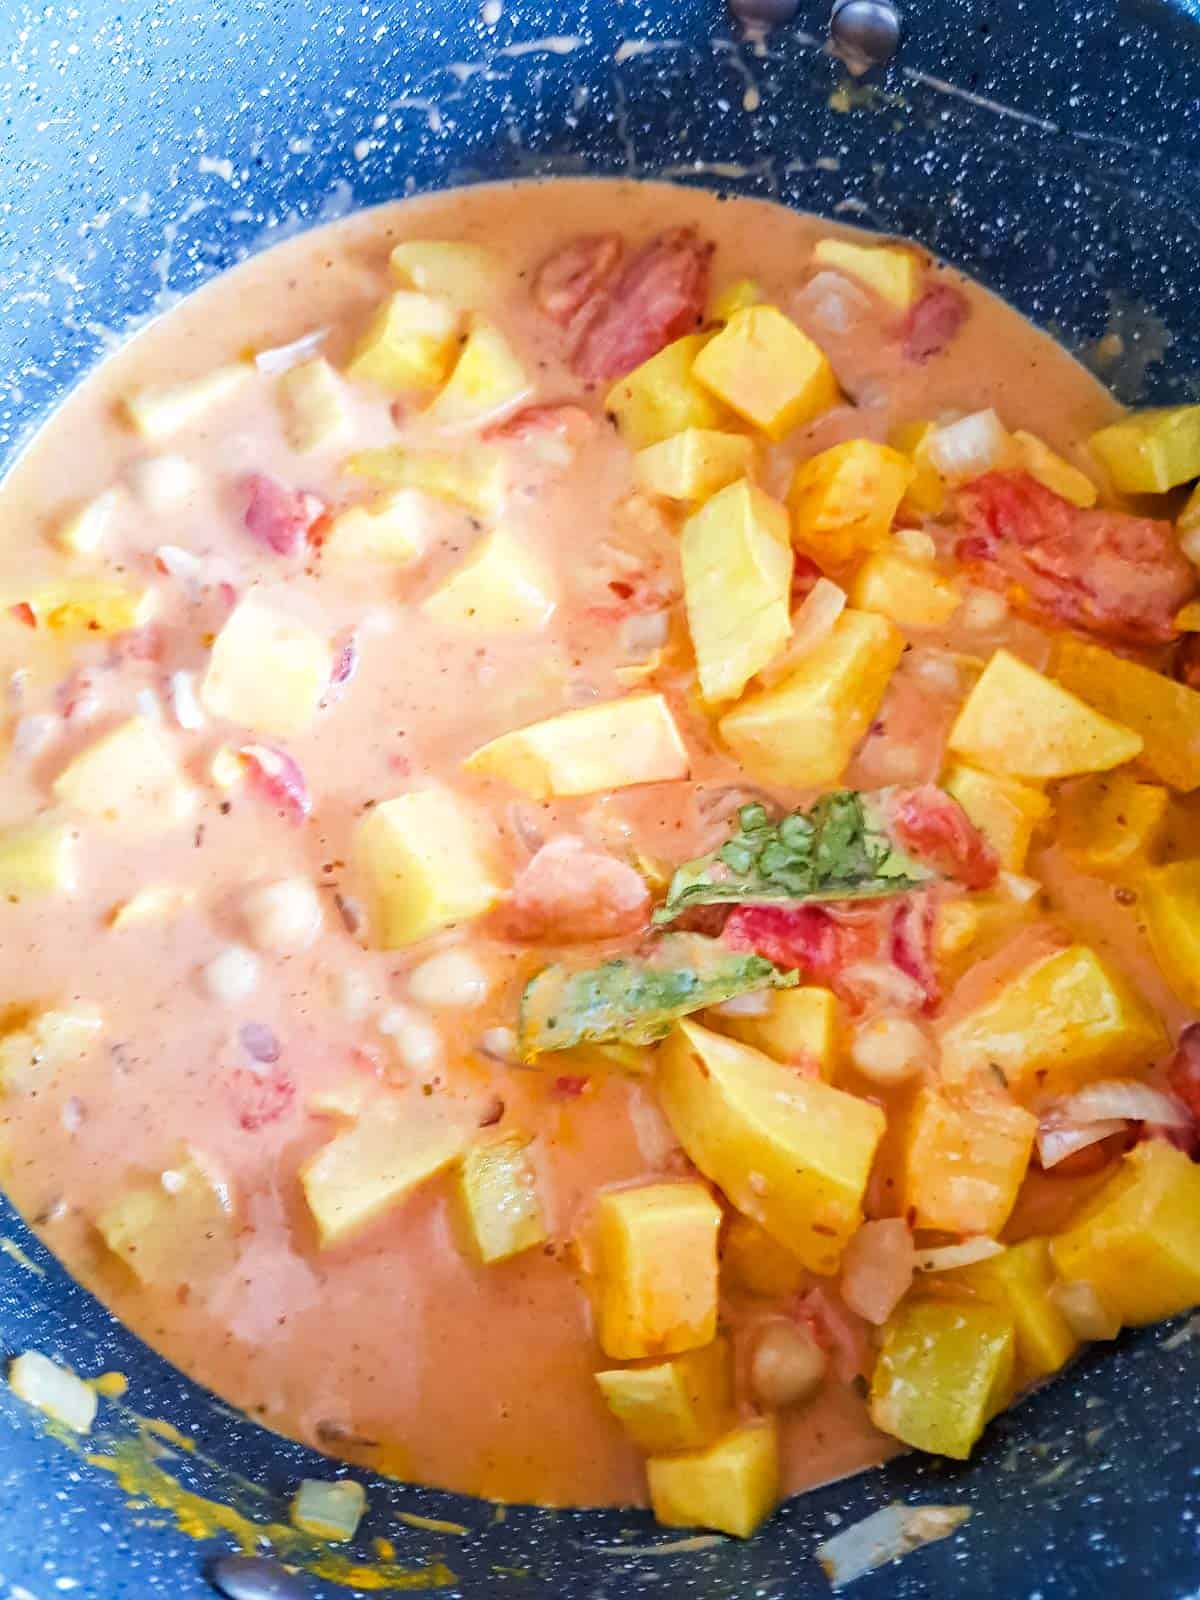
x=1020 y=724
x=964 y=1155
x=474 y=476
x=396 y=528
x=736 y=296
x=410 y=343
x=945 y=1368
x=845 y=499
x=1137 y=1242
x=804 y=730
x=661 y=397
x=37 y=1046
x=800 y=1028
x=751 y=1260
x=1019 y=1280
x=737 y=584
x=732 y=1485
x=1111 y=825
x=467 y=275
x=911 y=593
x=165 y=408
x=1058 y=1024
x=682 y=1404
x=174 y=1235
x=267 y=671
x=487 y=380
x=365 y=1171
x=966 y=927
x=894 y=272
x=1005 y=811
x=1165 y=714
x=791 y=1153
x=329 y=1511
x=37 y=858
x=426 y=866
x=694 y=464
x=926 y=492
x=87 y=528
x=766 y=369
x=130 y=779
x=314 y=407
x=656 y=1269
x=498 y=1190
x=1171 y=902
x=1051 y=471
x=1149 y=452
x=608 y=746
x=87 y=606
x=502 y=587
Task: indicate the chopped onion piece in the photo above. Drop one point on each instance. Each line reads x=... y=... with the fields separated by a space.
x=745 y=1005
x=148 y=705
x=812 y=623
x=945 y=1257
x=1018 y=888
x=1056 y=1140
x=41 y=1382
x=329 y=1510
x=1125 y=1099
x=283 y=356
x=915 y=543
x=184 y=702
x=886 y=1536
x=833 y=302
x=970 y=447
x=1084 y=1311
x=181 y=565
x=644 y=632
x=877 y=1269
x=881 y=983
x=31 y=733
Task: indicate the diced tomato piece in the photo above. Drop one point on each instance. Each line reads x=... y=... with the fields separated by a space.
x=277 y=516
x=78 y=695
x=1107 y=573
x=146 y=643
x=913 y=922
x=569 y=423
x=345 y=660
x=260 y=1098
x=1187 y=660
x=569 y=1086
x=658 y=298
x=1183 y=1073
x=930 y=825
x=278 y=777
x=575 y=275
x=24 y=612
x=933 y=322
x=569 y=894
x=796 y=938
x=805 y=576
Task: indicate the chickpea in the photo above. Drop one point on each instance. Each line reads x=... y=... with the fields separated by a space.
x=787 y=1366
x=890 y=1050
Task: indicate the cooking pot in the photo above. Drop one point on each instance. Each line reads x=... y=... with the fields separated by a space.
x=1052 y=151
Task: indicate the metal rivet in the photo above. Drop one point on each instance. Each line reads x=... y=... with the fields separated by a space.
x=865 y=31
x=770 y=12
x=254 y=1578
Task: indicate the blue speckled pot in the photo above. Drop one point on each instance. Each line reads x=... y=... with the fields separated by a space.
x=1054 y=151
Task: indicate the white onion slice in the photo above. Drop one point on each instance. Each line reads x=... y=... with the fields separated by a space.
x=945 y=1257
x=1125 y=1099
x=1057 y=1140
x=833 y=303
x=644 y=632
x=970 y=447
x=881 y=983
x=283 y=356
x=877 y=1269
x=756 y=1004
x=184 y=702
x=885 y=1536
x=811 y=625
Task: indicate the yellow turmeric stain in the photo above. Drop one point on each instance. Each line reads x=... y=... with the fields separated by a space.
x=13 y=1249
x=168 y=1431
x=111 y=1385
x=433 y=1524
x=383 y=1548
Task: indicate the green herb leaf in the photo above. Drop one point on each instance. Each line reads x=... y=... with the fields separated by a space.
x=838 y=850
x=637 y=998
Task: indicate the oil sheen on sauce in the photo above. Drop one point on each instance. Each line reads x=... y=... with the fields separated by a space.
x=396 y=1351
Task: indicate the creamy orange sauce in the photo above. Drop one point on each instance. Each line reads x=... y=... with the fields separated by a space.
x=396 y=1349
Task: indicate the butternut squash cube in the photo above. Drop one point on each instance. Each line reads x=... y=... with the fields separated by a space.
x=894 y=272
x=175 y=1235
x=498 y=1189
x=1005 y=812
x=502 y=587
x=800 y=1028
x=129 y=779
x=467 y=275
x=39 y=1045
x=963 y=1159
x=1060 y=1023
x=1110 y=825
x=926 y=492
x=804 y=730
x=266 y=671
x=736 y=296
x=410 y=343
x=656 y=1269
x=1164 y=714
x=662 y=397
x=1020 y=724
x=1188 y=519
x=315 y=409
x=751 y=1260
x=396 y=528
x=426 y=866
x=911 y=593
x=732 y=1485
x=737 y=584
x=487 y=380
x=965 y=928
x=1019 y=1280
x=608 y=746
x=791 y=1153
x=1137 y=1242
x=845 y=499
x=766 y=369
x=86 y=605
x=945 y=1368
x=694 y=464
x=165 y=408
x=1149 y=452
x=37 y=858
x=1051 y=471
x=368 y=1169
x=1171 y=901
x=680 y=1404
x=474 y=476
x=86 y=529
